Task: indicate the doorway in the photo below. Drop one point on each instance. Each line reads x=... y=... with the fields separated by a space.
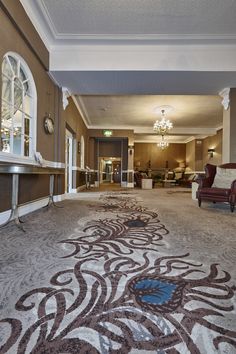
x=68 y=161
x=110 y=170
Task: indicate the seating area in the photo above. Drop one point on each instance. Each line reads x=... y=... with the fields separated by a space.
x=219 y=185
x=164 y=178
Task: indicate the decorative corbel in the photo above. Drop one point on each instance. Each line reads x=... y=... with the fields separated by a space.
x=225 y=95
x=65 y=95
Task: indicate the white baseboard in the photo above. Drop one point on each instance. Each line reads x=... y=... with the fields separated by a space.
x=78 y=189
x=30 y=207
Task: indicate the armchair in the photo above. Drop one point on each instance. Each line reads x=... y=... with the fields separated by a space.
x=218 y=185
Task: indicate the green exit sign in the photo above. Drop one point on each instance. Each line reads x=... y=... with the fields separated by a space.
x=107 y=133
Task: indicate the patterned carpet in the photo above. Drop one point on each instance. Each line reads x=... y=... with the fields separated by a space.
x=120 y=272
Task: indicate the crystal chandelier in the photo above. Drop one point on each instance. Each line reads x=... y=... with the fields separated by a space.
x=163 y=126
x=163 y=144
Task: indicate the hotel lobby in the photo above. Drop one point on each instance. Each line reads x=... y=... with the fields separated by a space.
x=117 y=177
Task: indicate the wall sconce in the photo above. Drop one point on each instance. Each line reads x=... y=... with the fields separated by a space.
x=211 y=152
x=130 y=147
x=78 y=147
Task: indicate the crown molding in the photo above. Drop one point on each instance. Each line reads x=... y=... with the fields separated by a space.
x=41 y=19
x=74 y=38
x=80 y=111
x=32 y=8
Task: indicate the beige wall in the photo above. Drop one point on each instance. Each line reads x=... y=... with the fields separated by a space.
x=197 y=152
x=145 y=152
x=213 y=142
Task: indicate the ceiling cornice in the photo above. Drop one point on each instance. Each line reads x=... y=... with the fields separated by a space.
x=41 y=19
x=81 y=112
x=38 y=20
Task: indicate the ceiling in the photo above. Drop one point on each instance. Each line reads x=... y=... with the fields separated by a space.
x=121 y=59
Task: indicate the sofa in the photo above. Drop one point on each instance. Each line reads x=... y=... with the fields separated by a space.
x=218 y=184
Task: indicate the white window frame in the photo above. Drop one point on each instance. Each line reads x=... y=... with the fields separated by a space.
x=11 y=157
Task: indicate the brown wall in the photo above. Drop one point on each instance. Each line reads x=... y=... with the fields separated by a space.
x=127 y=136
x=232 y=124
x=117 y=133
x=190 y=155
x=47 y=91
x=197 y=152
x=18 y=35
x=143 y=152
x=17 y=16
x=73 y=121
x=213 y=142
x=108 y=147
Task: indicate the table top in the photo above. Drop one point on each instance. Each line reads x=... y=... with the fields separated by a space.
x=30 y=169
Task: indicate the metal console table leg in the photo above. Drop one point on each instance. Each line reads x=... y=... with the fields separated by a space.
x=51 y=189
x=14 y=204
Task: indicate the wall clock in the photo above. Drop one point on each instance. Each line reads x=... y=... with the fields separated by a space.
x=49 y=124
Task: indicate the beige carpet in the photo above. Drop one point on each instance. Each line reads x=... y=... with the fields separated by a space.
x=141 y=271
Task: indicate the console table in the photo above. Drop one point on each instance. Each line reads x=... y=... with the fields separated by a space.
x=15 y=171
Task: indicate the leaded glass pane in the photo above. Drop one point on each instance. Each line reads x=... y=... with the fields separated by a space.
x=6 y=69
x=18 y=94
x=5 y=140
x=13 y=63
x=27 y=126
x=26 y=145
x=6 y=89
x=17 y=108
x=24 y=81
x=27 y=105
x=17 y=140
x=7 y=113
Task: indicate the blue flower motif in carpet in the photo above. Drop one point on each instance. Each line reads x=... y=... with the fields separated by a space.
x=135 y=223
x=157 y=293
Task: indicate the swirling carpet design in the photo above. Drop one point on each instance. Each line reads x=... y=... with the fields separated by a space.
x=118 y=290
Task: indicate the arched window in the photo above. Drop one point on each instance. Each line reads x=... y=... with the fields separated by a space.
x=82 y=152
x=19 y=102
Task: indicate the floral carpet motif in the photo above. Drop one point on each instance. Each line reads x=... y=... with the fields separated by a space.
x=125 y=294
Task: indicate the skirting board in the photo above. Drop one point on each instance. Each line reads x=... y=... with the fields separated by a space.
x=30 y=207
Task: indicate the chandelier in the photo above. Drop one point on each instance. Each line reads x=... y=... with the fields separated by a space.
x=163 y=144
x=162 y=126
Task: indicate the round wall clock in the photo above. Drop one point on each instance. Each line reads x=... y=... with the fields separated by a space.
x=49 y=124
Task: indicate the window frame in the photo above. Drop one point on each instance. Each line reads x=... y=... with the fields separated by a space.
x=10 y=156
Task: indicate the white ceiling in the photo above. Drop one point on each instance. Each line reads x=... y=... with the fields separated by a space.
x=164 y=19
x=122 y=58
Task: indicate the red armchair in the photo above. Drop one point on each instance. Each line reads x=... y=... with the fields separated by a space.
x=207 y=190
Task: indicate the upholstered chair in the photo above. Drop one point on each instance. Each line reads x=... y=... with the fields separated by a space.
x=218 y=185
